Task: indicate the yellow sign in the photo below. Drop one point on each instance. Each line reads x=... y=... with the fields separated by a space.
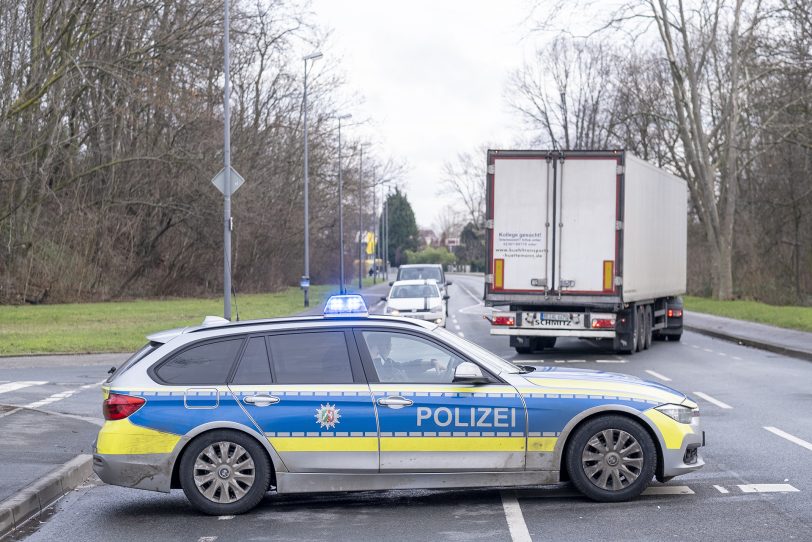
x=370 y=240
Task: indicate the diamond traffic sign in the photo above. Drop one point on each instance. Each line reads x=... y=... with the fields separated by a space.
x=236 y=180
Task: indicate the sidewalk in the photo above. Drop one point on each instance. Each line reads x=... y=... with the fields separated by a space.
x=788 y=342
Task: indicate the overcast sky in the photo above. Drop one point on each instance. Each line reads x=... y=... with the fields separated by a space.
x=432 y=76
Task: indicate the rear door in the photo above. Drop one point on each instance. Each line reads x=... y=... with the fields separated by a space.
x=553 y=220
x=307 y=392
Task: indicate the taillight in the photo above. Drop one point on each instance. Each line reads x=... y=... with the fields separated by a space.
x=603 y=323
x=504 y=321
x=118 y=407
x=675 y=313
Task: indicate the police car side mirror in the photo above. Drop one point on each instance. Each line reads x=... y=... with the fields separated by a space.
x=391 y=283
x=383 y=298
x=449 y=283
x=469 y=373
x=446 y=297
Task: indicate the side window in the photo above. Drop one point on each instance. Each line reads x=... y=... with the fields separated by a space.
x=254 y=367
x=311 y=358
x=398 y=357
x=207 y=363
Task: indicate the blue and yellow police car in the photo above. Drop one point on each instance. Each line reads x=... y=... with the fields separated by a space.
x=347 y=401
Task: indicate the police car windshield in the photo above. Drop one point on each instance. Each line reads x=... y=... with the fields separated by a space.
x=420 y=273
x=407 y=291
x=490 y=359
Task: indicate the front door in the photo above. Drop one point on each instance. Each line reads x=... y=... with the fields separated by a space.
x=307 y=393
x=427 y=422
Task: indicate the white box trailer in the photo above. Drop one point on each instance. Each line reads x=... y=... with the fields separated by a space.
x=588 y=244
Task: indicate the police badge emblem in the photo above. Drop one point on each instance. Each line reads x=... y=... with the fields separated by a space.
x=328 y=416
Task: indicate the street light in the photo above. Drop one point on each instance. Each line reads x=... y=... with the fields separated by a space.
x=341 y=209
x=306 y=277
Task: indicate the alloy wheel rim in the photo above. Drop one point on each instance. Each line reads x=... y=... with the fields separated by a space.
x=224 y=472
x=612 y=459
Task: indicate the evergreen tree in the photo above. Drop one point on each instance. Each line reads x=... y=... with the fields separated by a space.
x=402 y=228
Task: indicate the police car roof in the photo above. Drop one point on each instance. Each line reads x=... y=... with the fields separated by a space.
x=291 y=322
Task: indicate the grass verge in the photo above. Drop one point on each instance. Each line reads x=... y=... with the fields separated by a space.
x=753 y=311
x=122 y=325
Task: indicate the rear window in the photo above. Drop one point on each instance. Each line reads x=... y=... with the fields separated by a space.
x=311 y=358
x=143 y=352
x=415 y=290
x=208 y=363
x=254 y=367
x=420 y=273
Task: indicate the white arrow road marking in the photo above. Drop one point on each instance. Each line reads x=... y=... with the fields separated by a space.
x=668 y=490
x=515 y=518
x=710 y=399
x=767 y=488
x=791 y=438
x=13 y=386
x=472 y=296
x=658 y=375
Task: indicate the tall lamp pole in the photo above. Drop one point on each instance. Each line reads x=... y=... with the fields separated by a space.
x=306 y=277
x=341 y=210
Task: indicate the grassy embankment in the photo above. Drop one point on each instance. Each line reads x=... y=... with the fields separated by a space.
x=753 y=311
x=121 y=326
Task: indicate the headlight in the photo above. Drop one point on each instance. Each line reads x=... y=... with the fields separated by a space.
x=679 y=413
x=393 y=312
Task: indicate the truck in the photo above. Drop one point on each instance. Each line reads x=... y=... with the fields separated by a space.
x=584 y=244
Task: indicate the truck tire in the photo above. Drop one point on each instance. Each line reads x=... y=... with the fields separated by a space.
x=641 y=330
x=674 y=338
x=546 y=342
x=524 y=349
x=649 y=324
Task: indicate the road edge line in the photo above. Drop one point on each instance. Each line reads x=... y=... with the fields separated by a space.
x=35 y=498
x=753 y=343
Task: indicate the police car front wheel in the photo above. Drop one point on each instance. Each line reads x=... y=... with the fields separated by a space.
x=611 y=459
x=224 y=472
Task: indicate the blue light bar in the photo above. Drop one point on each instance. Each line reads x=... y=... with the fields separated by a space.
x=345 y=305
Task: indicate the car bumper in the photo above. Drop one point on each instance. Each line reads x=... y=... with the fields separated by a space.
x=685 y=459
x=152 y=472
x=437 y=318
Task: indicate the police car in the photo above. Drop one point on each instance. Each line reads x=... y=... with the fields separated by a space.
x=344 y=402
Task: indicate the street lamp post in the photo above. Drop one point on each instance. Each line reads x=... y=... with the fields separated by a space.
x=306 y=276
x=226 y=171
x=360 y=218
x=341 y=210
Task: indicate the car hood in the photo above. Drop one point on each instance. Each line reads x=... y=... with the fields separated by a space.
x=413 y=303
x=564 y=381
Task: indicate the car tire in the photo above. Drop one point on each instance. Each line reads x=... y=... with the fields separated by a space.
x=649 y=324
x=591 y=459
x=230 y=491
x=641 y=330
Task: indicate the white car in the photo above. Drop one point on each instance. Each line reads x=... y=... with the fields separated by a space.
x=421 y=299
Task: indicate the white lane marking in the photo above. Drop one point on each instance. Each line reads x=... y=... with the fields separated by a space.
x=655 y=374
x=207 y=539
x=457 y=327
x=791 y=438
x=472 y=296
x=710 y=399
x=694 y=346
x=461 y=334
x=707 y=350
x=767 y=488
x=225 y=517
x=737 y=358
x=515 y=518
x=53 y=398
x=610 y=361
x=722 y=490
x=668 y=490
x=14 y=386
x=722 y=354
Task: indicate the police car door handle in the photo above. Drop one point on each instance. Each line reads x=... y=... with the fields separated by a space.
x=261 y=400
x=395 y=401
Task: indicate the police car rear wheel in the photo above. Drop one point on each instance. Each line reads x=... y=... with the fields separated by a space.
x=224 y=472
x=611 y=459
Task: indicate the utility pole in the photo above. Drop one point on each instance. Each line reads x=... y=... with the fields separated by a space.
x=375 y=231
x=360 y=217
x=226 y=173
x=386 y=238
x=341 y=211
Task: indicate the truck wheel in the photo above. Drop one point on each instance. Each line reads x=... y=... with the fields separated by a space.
x=611 y=459
x=641 y=330
x=224 y=473
x=524 y=349
x=674 y=338
x=649 y=325
x=546 y=342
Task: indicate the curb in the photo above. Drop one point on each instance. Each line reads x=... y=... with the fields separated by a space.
x=34 y=499
x=761 y=345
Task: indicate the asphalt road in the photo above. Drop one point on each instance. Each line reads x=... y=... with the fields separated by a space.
x=756 y=485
